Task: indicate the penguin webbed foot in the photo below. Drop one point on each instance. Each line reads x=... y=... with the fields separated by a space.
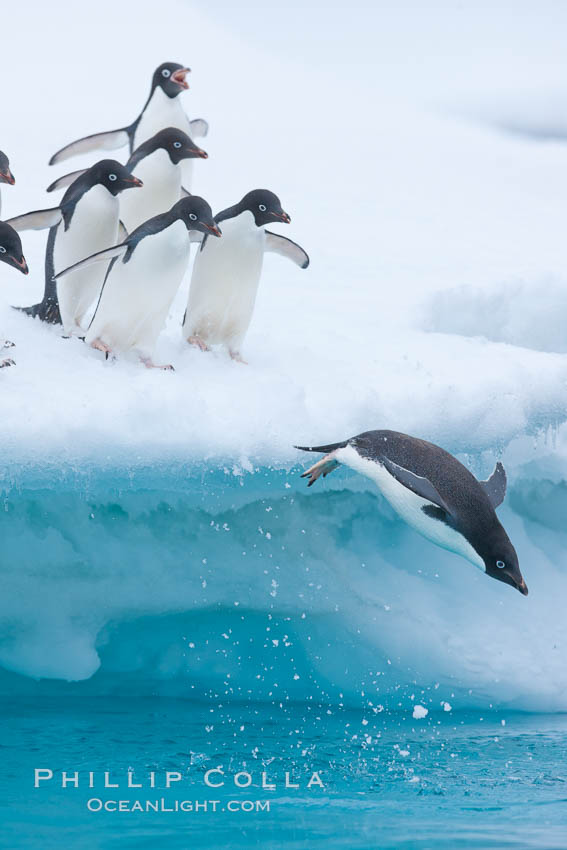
x=322 y=468
x=47 y=311
x=99 y=345
x=149 y=364
x=237 y=357
x=198 y=342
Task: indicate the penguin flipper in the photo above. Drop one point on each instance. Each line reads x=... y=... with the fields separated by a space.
x=65 y=181
x=495 y=486
x=37 y=219
x=287 y=248
x=100 y=256
x=185 y=193
x=108 y=141
x=436 y=513
x=416 y=483
x=199 y=127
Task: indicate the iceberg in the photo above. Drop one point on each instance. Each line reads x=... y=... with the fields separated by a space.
x=156 y=535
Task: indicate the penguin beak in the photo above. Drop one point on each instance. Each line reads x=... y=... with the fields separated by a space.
x=198 y=152
x=214 y=229
x=179 y=77
x=283 y=216
x=523 y=588
x=7 y=177
x=20 y=264
x=133 y=180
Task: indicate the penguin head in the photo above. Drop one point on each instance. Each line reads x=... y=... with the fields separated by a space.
x=176 y=143
x=501 y=561
x=197 y=215
x=11 y=248
x=170 y=78
x=6 y=175
x=112 y=175
x=264 y=206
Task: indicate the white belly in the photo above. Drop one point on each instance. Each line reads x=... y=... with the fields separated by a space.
x=161 y=189
x=136 y=298
x=409 y=506
x=162 y=112
x=94 y=226
x=225 y=282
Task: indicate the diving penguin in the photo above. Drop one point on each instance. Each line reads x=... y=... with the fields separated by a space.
x=162 y=109
x=6 y=175
x=157 y=163
x=86 y=221
x=12 y=254
x=143 y=278
x=226 y=274
x=434 y=493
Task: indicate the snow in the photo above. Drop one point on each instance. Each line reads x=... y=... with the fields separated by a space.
x=405 y=141
x=395 y=197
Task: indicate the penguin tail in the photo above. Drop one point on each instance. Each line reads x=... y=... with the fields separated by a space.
x=325 y=449
x=47 y=311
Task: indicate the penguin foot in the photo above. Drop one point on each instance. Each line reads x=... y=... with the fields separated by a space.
x=101 y=346
x=150 y=365
x=198 y=342
x=237 y=357
x=8 y=344
x=7 y=362
x=322 y=468
x=47 y=311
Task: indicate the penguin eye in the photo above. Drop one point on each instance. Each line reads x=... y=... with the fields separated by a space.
x=192 y=216
x=2 y=249
x=262 y=207
x=177 y=144
x=500 y=565
x=166 y=73
x=112 y=177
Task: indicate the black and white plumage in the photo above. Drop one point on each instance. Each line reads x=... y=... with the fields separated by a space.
x=6 y=175
x=162 y=109
x=12 y=254
x=86 y=221
x=434 y=493
x=143 y=278
x=226 y=274
x=158 y=164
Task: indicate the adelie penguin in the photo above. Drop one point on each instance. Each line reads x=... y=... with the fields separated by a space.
x=162 y=109
x=434 y=493
x=6 y=175
x=226 y=274
x=157 y=163
x=11 y=253
x=143 y=278
x=86 y=221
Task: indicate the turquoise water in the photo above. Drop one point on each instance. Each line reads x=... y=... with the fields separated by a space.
x=449 y=780
x=189 y=619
